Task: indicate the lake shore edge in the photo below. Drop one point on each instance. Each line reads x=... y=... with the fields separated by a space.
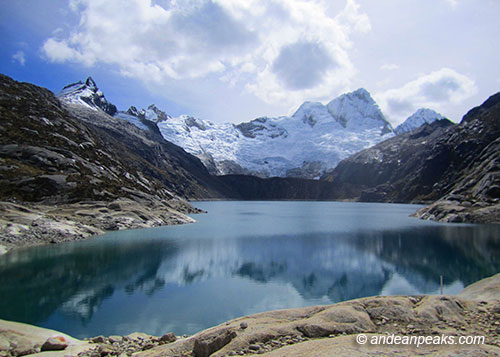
x=30 y=224
x=314 y=331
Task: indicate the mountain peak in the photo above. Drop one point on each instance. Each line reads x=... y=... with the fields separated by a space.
x=91 y=84
x=136 y=113
x=417 y=119
x=311 y=112
x=156 y=115
x=362 y=94
x=358 y=111
x=86 y=94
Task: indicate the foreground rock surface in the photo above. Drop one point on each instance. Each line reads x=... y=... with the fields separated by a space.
x=17 y=339
x=332 y=330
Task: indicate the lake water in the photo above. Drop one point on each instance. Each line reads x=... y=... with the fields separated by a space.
x=240 y=258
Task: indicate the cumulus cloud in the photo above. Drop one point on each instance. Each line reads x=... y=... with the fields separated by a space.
x=19 y=57
x=279 y=50
x=352 y=19
x=437 y=90
x=301 y=65
x=61 y=51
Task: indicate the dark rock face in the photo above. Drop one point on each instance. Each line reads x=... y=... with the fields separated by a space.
x=476 y=197
x=157 y=116
x=401 y=169
x=192 y=122
x=277 y=188
x=59 y=153
x=260 y=126
x=309 y=170
x=136 y=113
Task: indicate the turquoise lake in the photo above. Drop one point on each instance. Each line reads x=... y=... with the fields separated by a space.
x=240 y=258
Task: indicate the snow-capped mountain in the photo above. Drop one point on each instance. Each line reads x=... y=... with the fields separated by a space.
x=416 y=120
x=87 y=94
x=312 y=140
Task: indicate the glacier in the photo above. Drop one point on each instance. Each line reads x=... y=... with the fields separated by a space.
x=314 y=139
x=306 y=144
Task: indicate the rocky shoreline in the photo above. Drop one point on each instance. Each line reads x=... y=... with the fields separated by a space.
x=30 y=224
x=310 y=331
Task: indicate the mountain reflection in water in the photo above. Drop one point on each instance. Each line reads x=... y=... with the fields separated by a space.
x=187 y=278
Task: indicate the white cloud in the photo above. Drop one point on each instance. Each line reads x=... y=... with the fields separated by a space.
x=283 y=51
x=19 y=57
x=389 y=67
x=350 y=18
x=60 y=51
x=438 y=90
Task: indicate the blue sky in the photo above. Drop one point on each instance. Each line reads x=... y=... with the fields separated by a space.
x=235 y=60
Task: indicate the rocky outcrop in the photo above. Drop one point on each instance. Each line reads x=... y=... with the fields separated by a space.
x=309 y=170
x=405 y=168
x=475 y=196
x=18 y=339
x=33 y=223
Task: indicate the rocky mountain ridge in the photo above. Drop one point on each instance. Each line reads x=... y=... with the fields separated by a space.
x=457 y=165
x=314 y=139
x=475 y=196
x=305 y=145
x=58 y=160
